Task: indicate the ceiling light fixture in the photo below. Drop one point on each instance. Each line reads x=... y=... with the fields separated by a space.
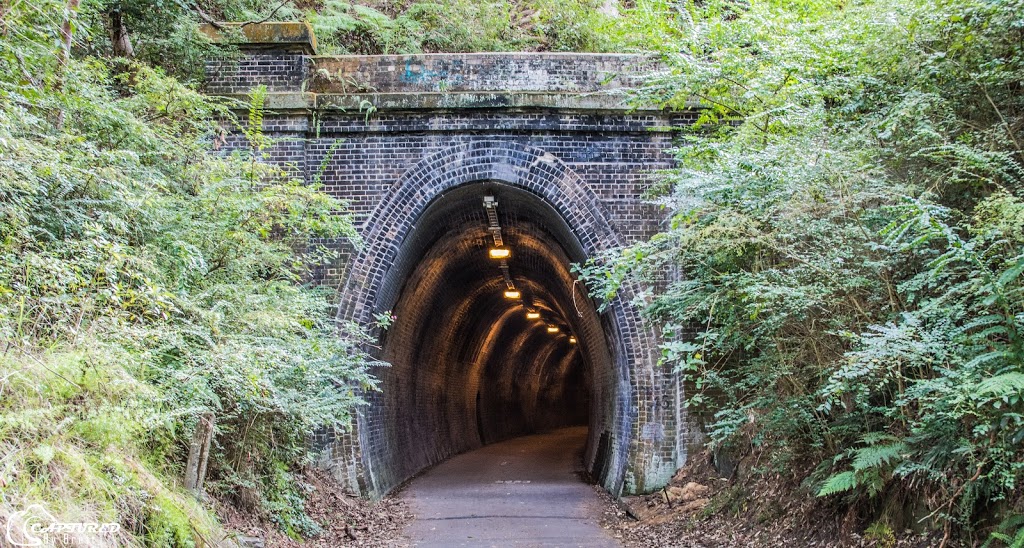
x=533 y=315
x=512 y=294
x=499 y=252
x=552 y=329
x=572 y=340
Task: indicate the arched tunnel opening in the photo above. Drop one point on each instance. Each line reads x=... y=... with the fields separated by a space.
x=471 y=366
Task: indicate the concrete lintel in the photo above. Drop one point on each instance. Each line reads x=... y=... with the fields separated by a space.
x=478 y=72
x=295 y=36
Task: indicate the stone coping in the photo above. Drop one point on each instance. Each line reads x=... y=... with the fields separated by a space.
x=294 y=36
x=478 y=72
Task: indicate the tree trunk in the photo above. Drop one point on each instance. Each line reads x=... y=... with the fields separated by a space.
x=119 y=39
x=199 y=454
x=5 y=7
x=64 y=55
x=66 y=35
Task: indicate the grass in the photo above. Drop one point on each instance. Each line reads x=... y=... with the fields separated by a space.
x=81 y=436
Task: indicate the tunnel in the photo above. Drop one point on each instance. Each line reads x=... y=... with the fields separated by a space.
x=463 y=364
x=482 y=349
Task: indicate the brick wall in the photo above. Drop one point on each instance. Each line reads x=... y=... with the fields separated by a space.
x=279 y=71
x=466 y=367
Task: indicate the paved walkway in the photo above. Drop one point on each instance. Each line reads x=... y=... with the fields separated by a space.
x=522 y=492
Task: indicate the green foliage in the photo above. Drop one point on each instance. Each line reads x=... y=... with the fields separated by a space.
x=493 y=25
x=1009 y=532
x=287 y=502
x=71 y=422
x=145 y=280
x=353 y=28
x=458 y=26
x=571 y=26
x=165 y=32
x=871 y=466
x=881 y=534
x=839 y=483
x=847 y=224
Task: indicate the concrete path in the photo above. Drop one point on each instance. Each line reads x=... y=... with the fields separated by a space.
x=522 y=492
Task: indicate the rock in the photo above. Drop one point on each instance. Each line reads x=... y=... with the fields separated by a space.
x=680 y=475
x=637 y=507
x=689 y=492
x=251 y=542
x=694 y=506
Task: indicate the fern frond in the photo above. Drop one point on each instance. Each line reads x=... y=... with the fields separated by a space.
x=1013 y=273
x=1012 y=525
x=989 y=356
x=873 y=438
x=839 y=483
x=1002 y=385
x=874 y=456
x=988 y=320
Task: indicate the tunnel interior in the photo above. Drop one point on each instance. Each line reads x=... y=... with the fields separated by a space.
x=470 y=365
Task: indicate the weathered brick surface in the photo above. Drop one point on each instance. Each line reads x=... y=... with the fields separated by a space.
x=458 y=72
x=278 y=71
x=467 y=368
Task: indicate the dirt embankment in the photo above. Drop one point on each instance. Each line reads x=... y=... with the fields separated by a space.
x=699 y=508
x=346 y=520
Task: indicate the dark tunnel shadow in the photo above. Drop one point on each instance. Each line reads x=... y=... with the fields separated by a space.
x=468 y=367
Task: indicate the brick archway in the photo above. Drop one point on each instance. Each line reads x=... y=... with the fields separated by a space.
x=625 y=454
x=512 y=163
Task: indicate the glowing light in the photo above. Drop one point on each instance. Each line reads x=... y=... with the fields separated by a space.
x=533 y=315
x=511 y=294
x=572 y=340
x=552 y=329
x=499 y=252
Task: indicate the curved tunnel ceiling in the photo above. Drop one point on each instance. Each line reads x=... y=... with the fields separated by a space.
x=463 y=207
x=469 y=367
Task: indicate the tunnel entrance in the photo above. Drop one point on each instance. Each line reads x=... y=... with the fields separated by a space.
x=472 y=366
x=487 y=348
